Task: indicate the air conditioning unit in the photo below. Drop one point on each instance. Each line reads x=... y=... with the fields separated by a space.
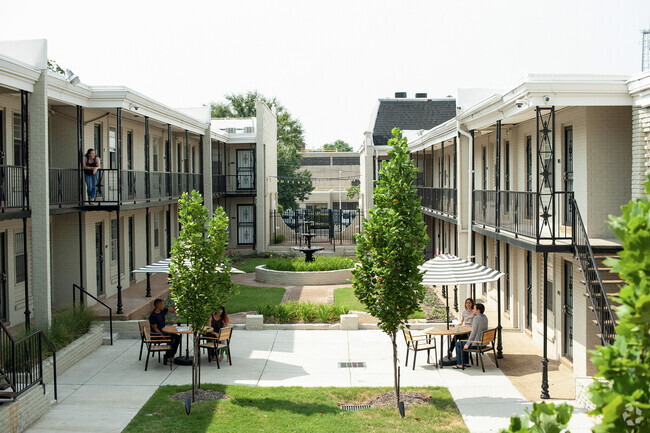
x=231 y=130
x=249 y=130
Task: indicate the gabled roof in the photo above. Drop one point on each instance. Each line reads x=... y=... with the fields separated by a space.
x=410 y=114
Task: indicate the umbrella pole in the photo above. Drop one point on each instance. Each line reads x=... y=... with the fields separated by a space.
x=447 y=297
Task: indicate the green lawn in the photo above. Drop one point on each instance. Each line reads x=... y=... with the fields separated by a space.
x=293 y=409
x=251 y=298
x=249 y=265
x=345 y=297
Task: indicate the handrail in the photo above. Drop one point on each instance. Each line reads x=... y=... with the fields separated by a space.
x=593 y=281
x=22 y=356
x=81 y=292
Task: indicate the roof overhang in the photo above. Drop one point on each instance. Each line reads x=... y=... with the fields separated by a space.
x=439 y=134
x=639 y=88
x=16 y=75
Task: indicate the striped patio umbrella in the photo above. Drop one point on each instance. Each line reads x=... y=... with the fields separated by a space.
x=449 y=270
x=162 y=266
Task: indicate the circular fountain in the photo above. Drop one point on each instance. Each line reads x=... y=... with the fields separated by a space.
x=308 y=251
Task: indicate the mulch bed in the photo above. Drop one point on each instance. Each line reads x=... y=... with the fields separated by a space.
x=202 y=395
x=410 y=398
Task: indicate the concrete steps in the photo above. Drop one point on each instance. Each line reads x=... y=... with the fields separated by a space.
x=106 y=338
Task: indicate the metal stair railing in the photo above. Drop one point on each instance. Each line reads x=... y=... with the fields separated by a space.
x=597 y=295
x=21 y=361
x=83 y=291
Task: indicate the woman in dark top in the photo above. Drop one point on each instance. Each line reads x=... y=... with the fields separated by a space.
x=217 y=321
x=91 y=164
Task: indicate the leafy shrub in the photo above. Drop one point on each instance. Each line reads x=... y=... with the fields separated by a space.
x=546 y=418
x=302 y=312
x=298 y=264
x=279 y=239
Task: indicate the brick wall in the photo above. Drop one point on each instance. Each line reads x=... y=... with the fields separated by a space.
x=640 y=149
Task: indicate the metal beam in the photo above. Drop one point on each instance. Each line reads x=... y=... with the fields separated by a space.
x=119 y=201
x=498 y=268
x=497 y=177
x=545 y=394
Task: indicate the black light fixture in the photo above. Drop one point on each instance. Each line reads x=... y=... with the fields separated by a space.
x=188 y=405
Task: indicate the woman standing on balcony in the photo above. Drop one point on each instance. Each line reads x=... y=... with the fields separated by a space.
x=91 y=164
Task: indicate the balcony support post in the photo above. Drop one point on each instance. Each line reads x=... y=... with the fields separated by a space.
x=147 y=165
x=545 y=394
x=545 y=171
x=168 y=160
x=442 y=165
x=148 y=230
x=119 y=202
x=498 y=266
x=497 y=179
x=80 y=146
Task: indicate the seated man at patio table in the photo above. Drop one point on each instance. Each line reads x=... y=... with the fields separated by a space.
x=157 y=322
x=479 y=325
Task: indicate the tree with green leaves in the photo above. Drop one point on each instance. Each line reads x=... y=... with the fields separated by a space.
x=293 y=185
x=389 y=250
x=53 y=66
x=352 y=191
x=337 y=146
x=200 y=272
x=621 y=392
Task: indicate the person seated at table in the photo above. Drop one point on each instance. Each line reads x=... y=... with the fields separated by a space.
x=217 y=321
x=157 y=322
x=466 y=317
x=479 y=325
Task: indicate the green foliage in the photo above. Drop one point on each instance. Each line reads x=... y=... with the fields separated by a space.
x=623 y=399
x=53 y=66
x=337 y=146
x=197 y=288
x=352 y=191
x=294 y=186
x=298 y=264
x=302 y=312
x=345 y=296
x=294 y=409
x=279 y=239
x=545 y=418
x=390 y=247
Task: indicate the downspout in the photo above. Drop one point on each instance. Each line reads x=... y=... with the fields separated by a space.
x=470 y=205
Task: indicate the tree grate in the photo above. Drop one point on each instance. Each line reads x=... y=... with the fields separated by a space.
x=354 y=407
x=352 y=364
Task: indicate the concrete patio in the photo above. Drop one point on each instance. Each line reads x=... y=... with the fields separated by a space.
x=105 y=391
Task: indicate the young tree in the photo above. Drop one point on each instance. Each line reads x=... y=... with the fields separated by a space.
x=390 y=248
x=293 y=185
x=197 y=287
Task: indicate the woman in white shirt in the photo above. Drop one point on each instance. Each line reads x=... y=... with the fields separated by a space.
x=466 y=318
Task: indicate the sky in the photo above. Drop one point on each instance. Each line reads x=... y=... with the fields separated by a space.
x=328 y=62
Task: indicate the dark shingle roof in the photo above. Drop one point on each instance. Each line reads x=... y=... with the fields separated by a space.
x=409 y=114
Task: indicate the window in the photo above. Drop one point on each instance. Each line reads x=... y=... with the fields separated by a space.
x=21 y=262
x=193 y=160
x=245 y=168
x=155 y=154
x=549 y=284
x=97 y=138
x=179 y=158
x=312 y=160
x=507 y=279
x=156 y=229
x=114 y=241
x=485 y=169
x=485 y=260
x=2 y=138
x=507 y=163
x=345 y=160
x=187 y=158
x=18 y=140
x=112 y=148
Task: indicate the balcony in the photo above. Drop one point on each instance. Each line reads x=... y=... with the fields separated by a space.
x=234 y=185
x=12 y=187
x=67 y=186
x=441 y=200
x=544 y=216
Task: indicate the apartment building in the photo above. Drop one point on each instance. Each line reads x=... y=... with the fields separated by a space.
x=523 y=181
x=412 y=115
x=332 y=173
x=51 y=236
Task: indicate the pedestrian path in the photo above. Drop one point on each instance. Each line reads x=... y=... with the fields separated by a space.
x=103 y=392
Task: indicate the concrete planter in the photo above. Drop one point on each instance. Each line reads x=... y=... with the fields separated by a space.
x=315 y=278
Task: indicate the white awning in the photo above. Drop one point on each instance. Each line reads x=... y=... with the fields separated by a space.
x=163 y=267
x=449 y=270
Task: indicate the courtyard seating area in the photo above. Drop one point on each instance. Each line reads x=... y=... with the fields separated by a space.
x=107 y=389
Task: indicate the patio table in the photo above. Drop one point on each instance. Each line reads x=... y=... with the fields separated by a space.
x=187 y=330
x=442 y=330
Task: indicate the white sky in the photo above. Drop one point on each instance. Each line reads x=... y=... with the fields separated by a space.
x=328 y=64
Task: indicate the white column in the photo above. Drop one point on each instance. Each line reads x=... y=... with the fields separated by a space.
x=40 y=203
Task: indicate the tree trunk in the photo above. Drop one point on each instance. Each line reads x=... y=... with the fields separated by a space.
x=395 y=369
x=196 y=367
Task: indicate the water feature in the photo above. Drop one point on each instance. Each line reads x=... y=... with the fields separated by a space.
x=308 y=251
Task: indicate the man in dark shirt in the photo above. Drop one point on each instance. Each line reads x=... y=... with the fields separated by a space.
x=157 y=322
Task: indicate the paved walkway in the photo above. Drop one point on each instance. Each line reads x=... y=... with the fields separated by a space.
x=106 y=390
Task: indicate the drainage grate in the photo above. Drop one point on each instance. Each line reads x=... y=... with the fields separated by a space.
x=352 y=364
x=354 y=407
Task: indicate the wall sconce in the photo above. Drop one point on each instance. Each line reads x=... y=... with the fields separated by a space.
x=72 y=77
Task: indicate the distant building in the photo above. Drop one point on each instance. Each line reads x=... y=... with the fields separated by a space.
x=332 y=174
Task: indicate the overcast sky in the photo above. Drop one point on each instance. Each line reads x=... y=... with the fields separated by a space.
x=328 y=64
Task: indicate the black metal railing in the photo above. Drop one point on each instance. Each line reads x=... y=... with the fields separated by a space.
x=83 y=292
x=524 y=213
x=64 y=186
x=223 y=184
x=13 y=187
x=21 y=362
x=442 y=200
x=597 y=295
x=329 y=226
